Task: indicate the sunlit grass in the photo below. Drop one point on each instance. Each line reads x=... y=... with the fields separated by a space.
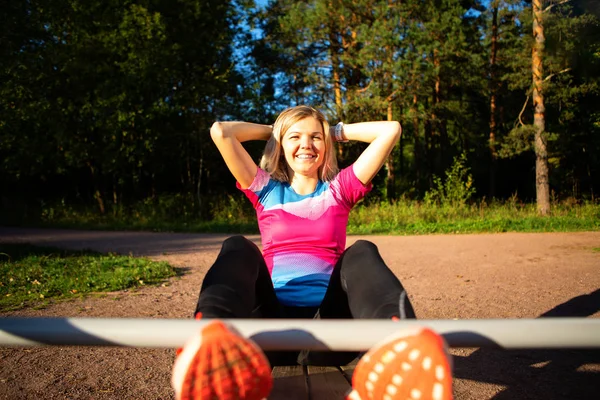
x=31 y=275
x=412 y=218
x=403 y=217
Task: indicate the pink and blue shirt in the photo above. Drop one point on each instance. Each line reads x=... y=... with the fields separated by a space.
x=303 y=236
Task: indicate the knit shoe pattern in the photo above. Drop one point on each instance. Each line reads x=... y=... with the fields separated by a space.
x=219 y=364
x=408 y=365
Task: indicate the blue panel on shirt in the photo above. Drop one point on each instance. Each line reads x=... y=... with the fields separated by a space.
x=305 y=291
x=286 y=194
x=300 y=278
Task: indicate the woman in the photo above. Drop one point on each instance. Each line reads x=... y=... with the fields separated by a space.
x=302 y=203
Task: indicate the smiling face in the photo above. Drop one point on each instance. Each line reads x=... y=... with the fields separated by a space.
x=279 y=159
x=303 y=146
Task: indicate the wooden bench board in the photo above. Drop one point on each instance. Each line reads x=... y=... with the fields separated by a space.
x=311 y=383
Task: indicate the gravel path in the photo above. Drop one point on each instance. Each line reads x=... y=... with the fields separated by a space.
x=511 y=275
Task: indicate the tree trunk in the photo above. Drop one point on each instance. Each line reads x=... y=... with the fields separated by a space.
x=439 y=134
x=97 y=193
x=389 y=163
x=188 y=170
x=436 y=94
x=199 y=183
x=334 y=48
x=337 y=89
x=417 y=147
x=428 y=146
x=115 y=196
x=542 y=186
x=493 y=99
x=153 y=186
x=339 y=108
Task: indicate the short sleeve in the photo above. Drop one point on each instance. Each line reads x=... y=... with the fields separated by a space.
x=348 y=188
x=254 y=191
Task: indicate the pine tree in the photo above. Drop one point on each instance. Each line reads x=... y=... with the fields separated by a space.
x=539 y=120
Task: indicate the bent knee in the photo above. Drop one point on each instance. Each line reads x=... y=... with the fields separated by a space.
x=363 y=245
x=238 y=242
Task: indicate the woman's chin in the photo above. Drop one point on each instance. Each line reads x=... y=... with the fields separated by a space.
x=306 y=170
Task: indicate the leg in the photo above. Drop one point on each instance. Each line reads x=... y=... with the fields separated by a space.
x=363 y=287
x=410 y=364
x=218 y=363
x=238 y=284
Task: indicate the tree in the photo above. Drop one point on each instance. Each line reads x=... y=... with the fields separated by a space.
x=360 y=59
x=565 y=87
x=493 y=99
x=113 y=99
x=542 y=185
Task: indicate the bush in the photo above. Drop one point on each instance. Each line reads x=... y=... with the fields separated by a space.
x=456 y=190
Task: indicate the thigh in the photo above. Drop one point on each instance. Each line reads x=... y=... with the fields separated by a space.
x=362 y=286
x=238 y=284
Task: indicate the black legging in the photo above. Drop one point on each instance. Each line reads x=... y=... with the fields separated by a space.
x=238 y=285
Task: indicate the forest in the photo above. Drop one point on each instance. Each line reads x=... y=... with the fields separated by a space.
x=106 y=106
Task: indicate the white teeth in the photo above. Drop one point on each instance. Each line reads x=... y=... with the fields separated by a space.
x=305 y=156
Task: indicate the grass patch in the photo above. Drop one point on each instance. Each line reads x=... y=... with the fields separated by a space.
x=596 y=249
x=234 y=214
x=32 y=275
x=414 y=218
x=165 y=213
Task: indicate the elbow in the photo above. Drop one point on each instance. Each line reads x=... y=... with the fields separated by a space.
x=216 y=131
x=396 y=130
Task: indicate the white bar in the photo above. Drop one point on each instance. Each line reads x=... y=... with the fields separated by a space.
x=295 y=334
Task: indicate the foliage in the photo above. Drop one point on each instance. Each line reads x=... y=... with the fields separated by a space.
x=113 y=100
x=456 y=190
x=108 y=104
x=402 y=217
x=517 y=141
x=32 y=275
x=570 y=53
x=372 y=60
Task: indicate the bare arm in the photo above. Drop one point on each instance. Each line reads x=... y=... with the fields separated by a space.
x=228 y=136
x=382 y=136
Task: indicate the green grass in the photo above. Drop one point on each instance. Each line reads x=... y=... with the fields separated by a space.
x=31 y=275
x=163 y=214
x=403 y=217
x=414 y=218
x=597 y=249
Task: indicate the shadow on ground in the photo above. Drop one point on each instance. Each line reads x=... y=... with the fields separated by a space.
x=135 y=243
x=540 y=374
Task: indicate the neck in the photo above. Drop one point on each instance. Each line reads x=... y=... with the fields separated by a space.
x=303 y=184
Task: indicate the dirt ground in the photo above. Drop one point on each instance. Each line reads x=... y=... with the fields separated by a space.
x=509 y=275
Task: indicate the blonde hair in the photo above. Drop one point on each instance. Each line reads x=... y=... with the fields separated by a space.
x=273 y=160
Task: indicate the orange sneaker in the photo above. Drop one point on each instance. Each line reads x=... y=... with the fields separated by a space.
x=220 y=364
x=409 y=365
